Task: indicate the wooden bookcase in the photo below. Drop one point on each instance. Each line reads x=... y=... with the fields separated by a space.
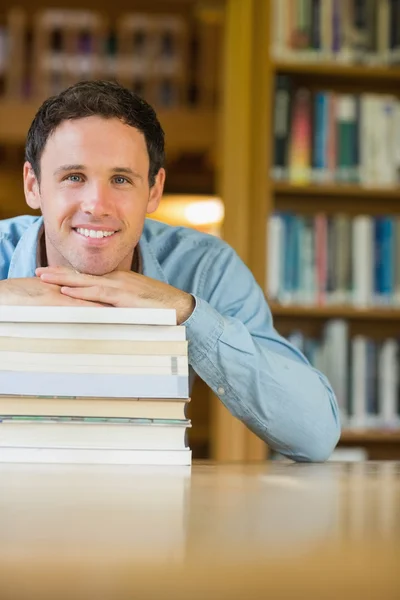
x=254 y=149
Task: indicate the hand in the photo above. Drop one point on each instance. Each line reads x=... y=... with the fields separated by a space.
x=34 y=292
x=120 y=288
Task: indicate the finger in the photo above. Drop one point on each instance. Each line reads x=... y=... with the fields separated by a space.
x=68 y=278
x=95 y=293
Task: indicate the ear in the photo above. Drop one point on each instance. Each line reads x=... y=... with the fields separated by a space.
x=156 y=192
x=31 y=187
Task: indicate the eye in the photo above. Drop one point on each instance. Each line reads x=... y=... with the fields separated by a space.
x=119 y=179
x=74 y=178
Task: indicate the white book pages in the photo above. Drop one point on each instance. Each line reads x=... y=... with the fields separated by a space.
x=110 y=436
x=95 y=457
x=93 y=331
x=87 y=314
x=89 y=385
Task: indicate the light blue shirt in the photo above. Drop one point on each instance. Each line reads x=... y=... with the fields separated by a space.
x=262 y=379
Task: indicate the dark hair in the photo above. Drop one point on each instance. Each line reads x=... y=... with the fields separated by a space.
x=103 y=98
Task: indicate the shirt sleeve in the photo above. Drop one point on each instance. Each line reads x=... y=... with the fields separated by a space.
x=260 y=377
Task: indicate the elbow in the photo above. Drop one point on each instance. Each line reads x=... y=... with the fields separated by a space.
x=316 y=448
x=320 y=447
x=315 y=431
x=321 y=436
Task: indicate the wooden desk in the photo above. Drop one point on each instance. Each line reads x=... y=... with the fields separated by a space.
x=239 y=532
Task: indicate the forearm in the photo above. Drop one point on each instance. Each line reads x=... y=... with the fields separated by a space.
x=286 y=402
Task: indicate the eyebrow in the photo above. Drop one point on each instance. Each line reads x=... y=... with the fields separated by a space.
x=124 y=170
x=65 y=168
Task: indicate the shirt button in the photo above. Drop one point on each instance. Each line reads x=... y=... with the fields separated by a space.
x=220 y=391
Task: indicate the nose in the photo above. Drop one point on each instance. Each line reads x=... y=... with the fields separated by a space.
x=97 y=201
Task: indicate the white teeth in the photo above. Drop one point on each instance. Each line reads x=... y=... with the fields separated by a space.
x=93 y=233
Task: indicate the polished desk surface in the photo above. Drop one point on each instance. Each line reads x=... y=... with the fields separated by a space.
x=216 y=531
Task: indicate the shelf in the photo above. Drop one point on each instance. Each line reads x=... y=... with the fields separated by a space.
x=370 y=436
x=338 y=70
x=336 y=191
x=189 y=130
x=338 y=311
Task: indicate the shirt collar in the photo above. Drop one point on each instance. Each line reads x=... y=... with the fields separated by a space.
x=24 y=259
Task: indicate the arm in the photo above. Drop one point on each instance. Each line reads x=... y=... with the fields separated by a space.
x=34 y=292
x=234 y=348
x=259 y=376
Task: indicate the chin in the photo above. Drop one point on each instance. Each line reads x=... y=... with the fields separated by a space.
x=94 y=269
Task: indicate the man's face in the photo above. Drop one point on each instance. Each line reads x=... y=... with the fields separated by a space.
x=94 y=194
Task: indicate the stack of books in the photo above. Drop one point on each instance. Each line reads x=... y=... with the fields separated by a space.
x=93 y=385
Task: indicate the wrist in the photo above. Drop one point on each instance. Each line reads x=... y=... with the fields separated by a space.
x=185 y=308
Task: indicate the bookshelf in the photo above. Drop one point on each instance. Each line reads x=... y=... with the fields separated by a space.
x=186 y=129
x=347 y=73
x=267 y=195
x=340 y=192
x=337 y=312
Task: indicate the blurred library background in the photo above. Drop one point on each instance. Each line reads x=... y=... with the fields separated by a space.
x=282 y=121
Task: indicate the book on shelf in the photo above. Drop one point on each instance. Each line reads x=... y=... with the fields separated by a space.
x=93 y=385
x=363 y=32
x=363 y=373
x=325 y=136
x=333 y=259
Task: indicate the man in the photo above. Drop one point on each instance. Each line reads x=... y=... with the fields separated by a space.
x=94 y=167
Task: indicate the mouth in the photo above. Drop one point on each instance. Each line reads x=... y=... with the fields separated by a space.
x=95 y=236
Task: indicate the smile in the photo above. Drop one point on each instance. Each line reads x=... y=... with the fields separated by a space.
x=93 y=233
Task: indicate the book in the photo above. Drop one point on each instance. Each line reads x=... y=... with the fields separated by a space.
x=138 y=434
x=93 y=331
x=95 y=456
x=87 y=314
x=92 y=363
x=150 y=408
x=19 y=346
x=86 y=384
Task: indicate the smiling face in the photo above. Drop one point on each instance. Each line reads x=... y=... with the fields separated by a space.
x=94 y=194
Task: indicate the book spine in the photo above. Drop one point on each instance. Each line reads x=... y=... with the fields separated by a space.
x=300 y=143
x=274 y=255
x=362 y=260
x=346 y=135
x=281 y=126
x=359 y=381
x=320 y=137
